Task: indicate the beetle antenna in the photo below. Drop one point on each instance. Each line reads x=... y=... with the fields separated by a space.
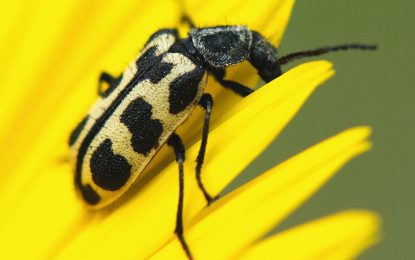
x=319 y=51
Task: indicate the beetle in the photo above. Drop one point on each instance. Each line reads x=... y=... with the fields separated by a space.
x=142 y=107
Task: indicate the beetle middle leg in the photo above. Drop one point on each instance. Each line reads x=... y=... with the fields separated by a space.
x=206 y=102
x=177 y=144
x=236 y=87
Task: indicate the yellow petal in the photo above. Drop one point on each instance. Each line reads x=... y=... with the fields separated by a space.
x=46 y=210
x=247 y=213
x=343 y=235
x=25 y=49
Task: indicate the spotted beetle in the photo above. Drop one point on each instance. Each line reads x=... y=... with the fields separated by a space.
x=142 y=107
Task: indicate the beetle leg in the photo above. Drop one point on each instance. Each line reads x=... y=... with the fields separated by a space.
x=177 y=144
x=110 y=80
x=206 y=102
x=186 y=19
x=236 y=87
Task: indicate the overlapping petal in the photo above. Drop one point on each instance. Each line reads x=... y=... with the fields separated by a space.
x=343 y=235
x=242 y=217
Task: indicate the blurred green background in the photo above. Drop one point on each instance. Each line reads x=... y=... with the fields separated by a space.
x=369 y=88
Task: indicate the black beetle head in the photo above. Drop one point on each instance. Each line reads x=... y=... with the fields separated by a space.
x=222 y=46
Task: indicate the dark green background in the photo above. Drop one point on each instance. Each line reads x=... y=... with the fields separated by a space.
x=375 y=89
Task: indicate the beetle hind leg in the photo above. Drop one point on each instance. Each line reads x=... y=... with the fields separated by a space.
x=176 y=143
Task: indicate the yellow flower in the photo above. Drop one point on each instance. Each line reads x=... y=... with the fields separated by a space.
x=52 y=52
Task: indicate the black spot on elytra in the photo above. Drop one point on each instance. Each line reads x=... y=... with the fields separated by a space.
x=77 y=131
x=89 y=195
x=183 y=90
x=109 y=171
x=146 y=59
x=145 y=130
x=157 y=72
x=150 y=67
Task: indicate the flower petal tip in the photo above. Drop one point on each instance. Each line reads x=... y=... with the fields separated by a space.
x=343 y=235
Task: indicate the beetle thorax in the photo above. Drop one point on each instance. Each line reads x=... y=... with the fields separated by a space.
x=222 y=46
